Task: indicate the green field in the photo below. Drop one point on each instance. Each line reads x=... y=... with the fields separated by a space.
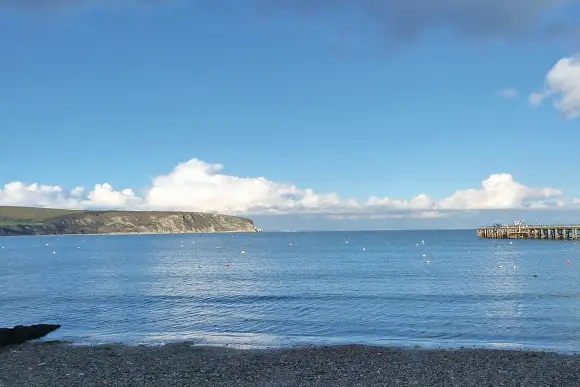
x=19 y=215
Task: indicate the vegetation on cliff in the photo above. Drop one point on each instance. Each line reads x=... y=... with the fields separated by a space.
x=48 y=221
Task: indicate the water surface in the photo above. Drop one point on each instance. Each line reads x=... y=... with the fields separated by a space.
x=402 y=288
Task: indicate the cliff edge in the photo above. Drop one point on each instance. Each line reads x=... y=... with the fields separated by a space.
x=44 y=221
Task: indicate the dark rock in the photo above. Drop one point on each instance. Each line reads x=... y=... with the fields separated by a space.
x=22 y=333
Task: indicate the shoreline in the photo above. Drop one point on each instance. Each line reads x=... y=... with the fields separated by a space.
x=402 y=345
x=131 y=233
x=186 y=364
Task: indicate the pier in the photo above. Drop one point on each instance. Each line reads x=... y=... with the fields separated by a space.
x=519 y=231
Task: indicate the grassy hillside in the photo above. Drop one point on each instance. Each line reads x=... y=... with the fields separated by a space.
x=47 y=221
x=30 y=214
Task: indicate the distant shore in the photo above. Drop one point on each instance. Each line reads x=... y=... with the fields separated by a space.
x=60 y=364
x=130 y=233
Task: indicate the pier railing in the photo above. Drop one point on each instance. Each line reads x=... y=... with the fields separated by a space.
x=531 y=226
x=529 y=231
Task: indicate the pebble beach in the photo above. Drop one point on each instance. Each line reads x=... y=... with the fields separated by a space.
x=61 y=364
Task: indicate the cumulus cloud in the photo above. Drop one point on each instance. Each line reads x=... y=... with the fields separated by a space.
x=480 y=19
x=563 y=85
x=196 y=185
x=508 y=93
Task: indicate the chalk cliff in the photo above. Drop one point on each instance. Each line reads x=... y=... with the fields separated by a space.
x=125 y=222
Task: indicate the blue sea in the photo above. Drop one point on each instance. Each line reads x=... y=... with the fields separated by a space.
x=433 y=289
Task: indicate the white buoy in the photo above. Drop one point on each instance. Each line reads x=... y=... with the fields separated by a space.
x=364 y=249
x=243 y=252
x=54 y=252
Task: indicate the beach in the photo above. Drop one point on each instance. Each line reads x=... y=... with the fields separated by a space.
x=184 y=364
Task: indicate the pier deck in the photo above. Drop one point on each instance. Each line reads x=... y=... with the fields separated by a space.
x=555 y=232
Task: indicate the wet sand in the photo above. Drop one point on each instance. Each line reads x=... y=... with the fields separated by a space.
x=61 y=364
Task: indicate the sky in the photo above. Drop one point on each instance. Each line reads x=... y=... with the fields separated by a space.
x=318 y=114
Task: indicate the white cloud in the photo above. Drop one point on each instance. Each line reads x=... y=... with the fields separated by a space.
x=17 y=193
x=509 y=93
x=562 y=84
x=103 y=195
x=199 y=186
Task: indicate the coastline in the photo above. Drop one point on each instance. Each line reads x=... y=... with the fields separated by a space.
x=131 y=233
x=183 y=364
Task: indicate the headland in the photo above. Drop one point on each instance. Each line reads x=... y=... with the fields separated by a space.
x=16 y=221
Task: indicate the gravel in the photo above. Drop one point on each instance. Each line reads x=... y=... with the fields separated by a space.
x=61 y=364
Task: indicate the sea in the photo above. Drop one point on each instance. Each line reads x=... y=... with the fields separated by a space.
x=428 y=289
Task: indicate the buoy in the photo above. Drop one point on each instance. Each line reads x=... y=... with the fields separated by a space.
x=568 y=262
x=424 y=255
x=427 y=262
x=243 y=252
x=54 y=252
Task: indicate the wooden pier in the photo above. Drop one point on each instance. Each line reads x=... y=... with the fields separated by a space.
x=554 y=232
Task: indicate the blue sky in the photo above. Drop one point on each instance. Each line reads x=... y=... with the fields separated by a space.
x=338 y=99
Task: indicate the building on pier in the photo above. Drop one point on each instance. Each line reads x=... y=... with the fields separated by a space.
x=521 y=231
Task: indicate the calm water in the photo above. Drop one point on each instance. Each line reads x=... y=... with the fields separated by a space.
x=296 y=288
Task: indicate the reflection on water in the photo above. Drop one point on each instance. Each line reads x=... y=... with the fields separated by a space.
x=427 y=288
